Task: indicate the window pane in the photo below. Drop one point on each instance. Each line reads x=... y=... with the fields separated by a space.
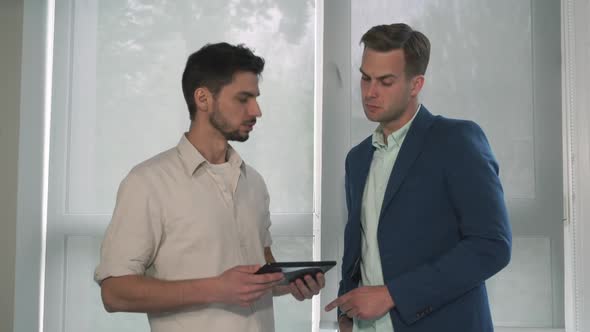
x=139 y=110
x=118 y=101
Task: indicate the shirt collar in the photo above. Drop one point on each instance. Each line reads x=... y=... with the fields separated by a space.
x=394 y=139
x=192 y=159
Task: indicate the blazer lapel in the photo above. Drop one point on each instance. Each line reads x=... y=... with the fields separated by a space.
x=410 y=150
x=364 y=160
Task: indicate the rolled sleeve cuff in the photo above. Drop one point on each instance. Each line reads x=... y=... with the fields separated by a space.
x=104 y=271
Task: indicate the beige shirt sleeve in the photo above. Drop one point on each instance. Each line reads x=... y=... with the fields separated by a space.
x=133 y=236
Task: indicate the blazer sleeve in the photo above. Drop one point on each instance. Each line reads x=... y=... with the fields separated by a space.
x=474 y=189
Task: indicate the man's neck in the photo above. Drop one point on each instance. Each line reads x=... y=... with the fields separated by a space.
x=209 y=142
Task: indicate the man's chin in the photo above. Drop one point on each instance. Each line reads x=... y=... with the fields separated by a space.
x=383 y=118
x=239 y=138
x=372 y=117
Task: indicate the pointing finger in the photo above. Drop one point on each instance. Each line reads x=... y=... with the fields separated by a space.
x=333 y=304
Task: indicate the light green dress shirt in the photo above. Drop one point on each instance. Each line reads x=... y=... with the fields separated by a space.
x=371 y=272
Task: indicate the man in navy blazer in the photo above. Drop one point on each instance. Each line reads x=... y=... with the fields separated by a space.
x=427 y=223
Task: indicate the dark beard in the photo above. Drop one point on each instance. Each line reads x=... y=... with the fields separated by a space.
x=219 y=123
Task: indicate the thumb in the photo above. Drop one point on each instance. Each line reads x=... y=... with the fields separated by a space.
x=247 y=268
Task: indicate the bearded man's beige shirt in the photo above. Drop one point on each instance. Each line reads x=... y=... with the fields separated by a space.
x=179 y=217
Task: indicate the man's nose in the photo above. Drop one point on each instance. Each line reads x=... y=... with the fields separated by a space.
x=254 y=109
x=372 y=90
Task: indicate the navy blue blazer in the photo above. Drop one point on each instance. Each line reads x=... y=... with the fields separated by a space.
x=443 y=228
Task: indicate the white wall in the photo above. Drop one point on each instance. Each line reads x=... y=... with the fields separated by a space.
x=11 y=18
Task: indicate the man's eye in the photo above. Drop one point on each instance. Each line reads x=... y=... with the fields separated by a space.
x=387 y=83
x=243 y=100
x=365 y=78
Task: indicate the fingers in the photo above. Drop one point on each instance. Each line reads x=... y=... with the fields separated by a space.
x=264 y=278
x=308 y=288
x=243 y=287
x=333 y=304
x=261 y=278
x=295 y=292
x=267 y=278
x=252 y=293
x=346 y=306
x=255 y=288
x=344 y=302
x=350 y=309
x=303 y=289
x=320 y=280
x=353 y=313
x=313 y=285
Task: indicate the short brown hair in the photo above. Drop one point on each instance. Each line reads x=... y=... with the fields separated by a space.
x=214 y=66
x=415 y=44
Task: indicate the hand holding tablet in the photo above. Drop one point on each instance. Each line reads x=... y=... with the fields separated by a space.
x=297 y=270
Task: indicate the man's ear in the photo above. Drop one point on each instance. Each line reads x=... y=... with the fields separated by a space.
x=417 y=84
x=202 y=97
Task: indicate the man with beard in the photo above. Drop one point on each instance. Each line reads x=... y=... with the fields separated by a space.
x=191 y=225
x=427 y=222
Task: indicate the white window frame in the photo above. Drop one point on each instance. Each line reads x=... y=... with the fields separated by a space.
x=575 y=50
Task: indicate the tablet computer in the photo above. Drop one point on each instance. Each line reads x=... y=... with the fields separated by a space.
x=296 y=270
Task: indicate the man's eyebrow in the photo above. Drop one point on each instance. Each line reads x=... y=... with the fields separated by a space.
x=248 y=94
x=380 y=77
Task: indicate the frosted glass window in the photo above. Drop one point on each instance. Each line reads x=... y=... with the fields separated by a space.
x=128 y=105
x=475 y=45
x=117 y=100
